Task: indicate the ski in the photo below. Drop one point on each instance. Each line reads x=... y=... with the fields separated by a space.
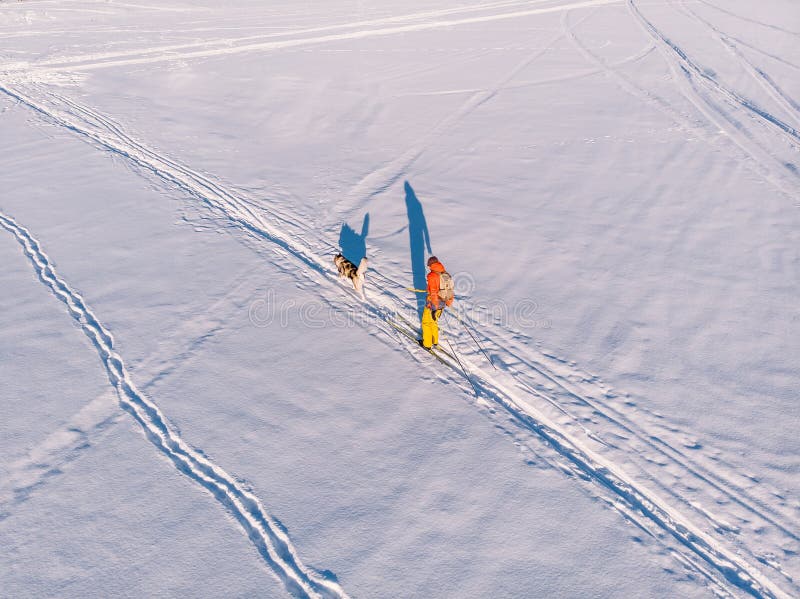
x=451 y=361
x=436 y=353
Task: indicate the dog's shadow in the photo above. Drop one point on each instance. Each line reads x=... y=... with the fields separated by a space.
x=352 y=244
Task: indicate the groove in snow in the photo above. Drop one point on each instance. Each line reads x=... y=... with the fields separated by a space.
x=265 y=533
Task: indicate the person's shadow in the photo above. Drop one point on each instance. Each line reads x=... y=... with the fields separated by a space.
x=353 y=245
x=419 y=240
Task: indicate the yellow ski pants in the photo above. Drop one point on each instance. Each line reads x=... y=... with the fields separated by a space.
x=430 y=328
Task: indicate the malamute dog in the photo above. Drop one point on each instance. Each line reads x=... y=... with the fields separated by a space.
x=348 y=270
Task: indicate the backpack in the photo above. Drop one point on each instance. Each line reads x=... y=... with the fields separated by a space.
x=446 y=288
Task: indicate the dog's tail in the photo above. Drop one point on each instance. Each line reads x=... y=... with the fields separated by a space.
x=362 y=267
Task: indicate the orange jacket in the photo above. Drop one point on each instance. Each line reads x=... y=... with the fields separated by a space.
x=433 y=286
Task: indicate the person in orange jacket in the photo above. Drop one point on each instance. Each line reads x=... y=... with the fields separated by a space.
x=440 y=295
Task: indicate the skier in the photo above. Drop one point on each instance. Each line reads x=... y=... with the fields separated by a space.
x=440 y=295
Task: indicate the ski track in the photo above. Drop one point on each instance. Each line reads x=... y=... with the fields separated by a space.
x=692 y=68
x=72 y=61
x=690 y=545
x=394 y=171
x=293 y=43
x=646 y=50
x=90 y=424
x=769 y=55
x=761 y=161
x=548 y=385
x=748 y=20
x=664 y=450
x=265 y=533
x=766 y=82
x=378 y=181
x=692 y=74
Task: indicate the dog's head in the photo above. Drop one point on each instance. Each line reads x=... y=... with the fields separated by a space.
x=338 y=260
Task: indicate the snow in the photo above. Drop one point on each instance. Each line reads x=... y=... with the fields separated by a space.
x=615 y=182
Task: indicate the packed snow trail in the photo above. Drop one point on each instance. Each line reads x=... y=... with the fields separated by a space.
x=707 y=556
x=273 y=544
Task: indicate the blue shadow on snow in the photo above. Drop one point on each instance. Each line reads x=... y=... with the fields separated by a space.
x=353 y=245
x=419 y=240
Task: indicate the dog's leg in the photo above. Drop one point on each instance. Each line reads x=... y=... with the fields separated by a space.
x=358 y=285
x=358 y=280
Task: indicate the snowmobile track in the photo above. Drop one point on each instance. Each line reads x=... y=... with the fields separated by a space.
x=99 y=415
x=265 y=533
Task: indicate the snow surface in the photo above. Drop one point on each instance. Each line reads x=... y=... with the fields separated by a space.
x=191 y=403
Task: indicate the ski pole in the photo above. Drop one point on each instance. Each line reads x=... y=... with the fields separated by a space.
x=464 y=370
x=478 y=343
x=466 y=326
